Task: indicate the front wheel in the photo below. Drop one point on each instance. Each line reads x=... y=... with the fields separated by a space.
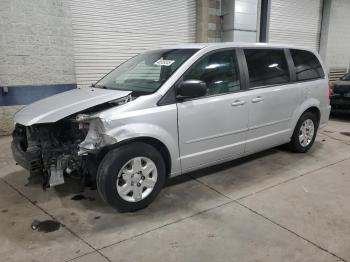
x=304 y=133
x=131 y=176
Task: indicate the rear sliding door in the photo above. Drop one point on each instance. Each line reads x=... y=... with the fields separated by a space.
x=273 y=97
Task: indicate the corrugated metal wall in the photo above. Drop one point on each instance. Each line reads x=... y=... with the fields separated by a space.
x=338 y=38
x=107 y=32
x=296 y=22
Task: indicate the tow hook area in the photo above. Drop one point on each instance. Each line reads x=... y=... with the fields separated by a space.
x=53 y=177
x=56 y=174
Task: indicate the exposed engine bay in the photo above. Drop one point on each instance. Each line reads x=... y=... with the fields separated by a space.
x=65 y=147
x=53 y=149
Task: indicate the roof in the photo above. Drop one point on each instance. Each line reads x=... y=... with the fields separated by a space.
x=234 y=44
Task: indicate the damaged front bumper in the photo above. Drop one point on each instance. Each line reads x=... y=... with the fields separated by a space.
x=30 y=160
x=38 y=150
x=51 y=154
x=68 y=146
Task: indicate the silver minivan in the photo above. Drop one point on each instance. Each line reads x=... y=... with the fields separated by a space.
x=170 y=111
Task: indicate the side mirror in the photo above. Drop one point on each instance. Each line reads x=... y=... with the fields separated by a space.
x=191 y=89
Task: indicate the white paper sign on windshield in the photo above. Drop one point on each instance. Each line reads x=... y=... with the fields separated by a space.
x=164 y=62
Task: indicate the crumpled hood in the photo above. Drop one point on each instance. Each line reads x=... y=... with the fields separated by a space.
x=59 y=106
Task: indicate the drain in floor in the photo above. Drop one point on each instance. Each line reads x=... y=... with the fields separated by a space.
x=45 y=226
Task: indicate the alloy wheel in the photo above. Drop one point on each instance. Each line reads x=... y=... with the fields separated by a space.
x=136 y=179
x=306 y=132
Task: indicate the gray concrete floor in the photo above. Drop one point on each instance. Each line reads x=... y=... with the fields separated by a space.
x=272 y=206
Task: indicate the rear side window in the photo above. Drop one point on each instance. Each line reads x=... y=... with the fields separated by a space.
x=266 y=67
x=306 y=65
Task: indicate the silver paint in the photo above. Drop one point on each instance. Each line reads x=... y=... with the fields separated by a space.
x=56 y=107
x=200 y=132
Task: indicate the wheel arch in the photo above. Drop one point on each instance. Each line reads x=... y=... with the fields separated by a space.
x=316 y=111
x=156 y=143
x=295 y=143
x=311 y=105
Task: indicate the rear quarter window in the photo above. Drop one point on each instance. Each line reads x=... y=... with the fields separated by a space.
x=306 y=64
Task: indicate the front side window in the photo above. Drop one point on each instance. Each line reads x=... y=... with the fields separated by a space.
x=266 y=67
x=306 y=65
x=218 y=70
x=146 y=72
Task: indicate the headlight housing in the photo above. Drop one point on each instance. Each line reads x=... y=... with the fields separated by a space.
x=96 y=137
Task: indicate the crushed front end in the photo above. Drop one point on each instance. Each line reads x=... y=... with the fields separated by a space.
x=63 y=134
x=51 y=150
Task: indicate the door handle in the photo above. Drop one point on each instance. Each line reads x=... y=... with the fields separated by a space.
x=257 y=99
x=238 y=103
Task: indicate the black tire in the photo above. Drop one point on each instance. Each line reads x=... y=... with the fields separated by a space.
x=295 y=145
x=110 y=166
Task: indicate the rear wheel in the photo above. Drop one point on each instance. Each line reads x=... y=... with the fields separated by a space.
x=131 y=176
x=304 y=133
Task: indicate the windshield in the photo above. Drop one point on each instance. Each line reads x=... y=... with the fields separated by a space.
x=346 y=77
x=146 y=72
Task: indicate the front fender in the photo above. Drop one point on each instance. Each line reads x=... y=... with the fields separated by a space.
x=137 y=130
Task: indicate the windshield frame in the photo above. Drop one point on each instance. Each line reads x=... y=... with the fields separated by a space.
x=194 y=51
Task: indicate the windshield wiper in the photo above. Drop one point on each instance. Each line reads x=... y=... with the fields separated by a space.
x=99 y=86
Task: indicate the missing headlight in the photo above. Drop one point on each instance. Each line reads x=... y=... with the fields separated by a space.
x=95 y=138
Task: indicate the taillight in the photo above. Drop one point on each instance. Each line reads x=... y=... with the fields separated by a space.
x=330 y=91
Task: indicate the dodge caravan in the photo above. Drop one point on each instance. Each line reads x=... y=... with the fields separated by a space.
x=170 y=111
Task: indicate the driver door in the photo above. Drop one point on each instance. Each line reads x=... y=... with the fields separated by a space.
x=213 y=128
